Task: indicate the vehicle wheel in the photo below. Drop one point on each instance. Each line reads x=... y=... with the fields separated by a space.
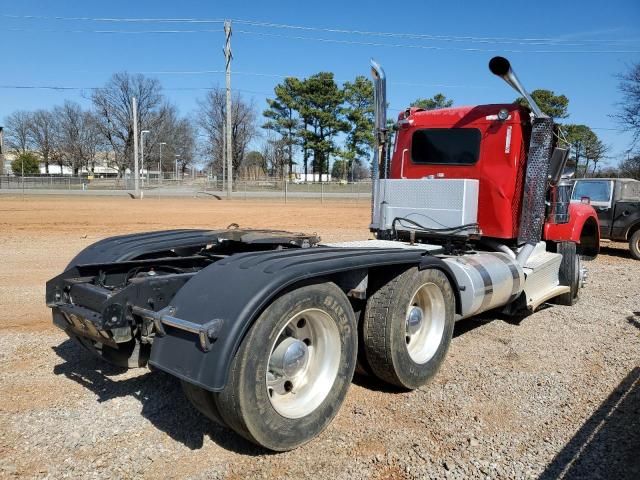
x=569 y=273
x=293 y=369
x=408 y=326
x=634 y=245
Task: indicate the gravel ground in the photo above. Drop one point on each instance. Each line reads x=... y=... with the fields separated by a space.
x=556 y=394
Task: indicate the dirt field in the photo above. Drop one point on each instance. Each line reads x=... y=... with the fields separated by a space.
x=556 y=394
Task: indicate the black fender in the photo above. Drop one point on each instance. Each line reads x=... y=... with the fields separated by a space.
x=237 y=289
x=128 y=247
x=133 y=246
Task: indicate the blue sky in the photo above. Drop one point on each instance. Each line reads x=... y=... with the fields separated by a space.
x=574 y=48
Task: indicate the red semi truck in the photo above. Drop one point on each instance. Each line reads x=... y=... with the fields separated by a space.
x=265 y=328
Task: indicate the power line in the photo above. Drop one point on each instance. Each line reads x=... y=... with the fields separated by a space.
x=71 y=88
x=521 y=41
x=326 y=40
x=115 y=19
x=424 y=47
x=264 y=24
x=114 y=32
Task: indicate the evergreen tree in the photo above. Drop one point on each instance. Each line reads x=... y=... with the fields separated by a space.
x=553 y=105
x=437 y=101
x=282 y=115
x=359 y=114
x=321 y=107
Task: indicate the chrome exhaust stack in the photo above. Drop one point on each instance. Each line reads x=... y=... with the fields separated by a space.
x=380 y=167
x=501 y=67
x=532 y=210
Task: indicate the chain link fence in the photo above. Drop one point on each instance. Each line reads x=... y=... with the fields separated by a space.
x=189 y=186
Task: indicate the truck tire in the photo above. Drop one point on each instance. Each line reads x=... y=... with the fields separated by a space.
x=569 y=273
x=292 y=370
x=408 y=326
x=634 y=244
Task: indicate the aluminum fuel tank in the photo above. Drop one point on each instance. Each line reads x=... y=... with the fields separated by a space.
x=487 y=280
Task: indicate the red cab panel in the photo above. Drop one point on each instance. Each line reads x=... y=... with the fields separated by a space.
x=583 y=228
x=499 y=166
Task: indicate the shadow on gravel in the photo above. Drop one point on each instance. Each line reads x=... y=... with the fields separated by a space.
x=606 y=446
x=616 y=252
x=160 y=394
x=461 y=327
x=468 y=324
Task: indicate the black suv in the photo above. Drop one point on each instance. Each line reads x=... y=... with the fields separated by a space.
x=617 y=201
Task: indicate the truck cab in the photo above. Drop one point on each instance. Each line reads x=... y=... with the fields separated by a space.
x=488 y=147
x=617 y=203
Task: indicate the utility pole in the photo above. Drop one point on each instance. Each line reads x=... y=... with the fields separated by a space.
x=136 y=180
x=224 y=155
x=228 y=57
x=160 y=163
x=142 y=154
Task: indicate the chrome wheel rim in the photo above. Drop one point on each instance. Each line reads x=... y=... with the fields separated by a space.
x=424 y=322
x=303 y=363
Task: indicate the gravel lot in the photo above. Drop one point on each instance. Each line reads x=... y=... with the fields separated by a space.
x=556 y=394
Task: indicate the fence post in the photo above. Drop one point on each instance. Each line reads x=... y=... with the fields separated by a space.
x=286 y=187
x=321 y=192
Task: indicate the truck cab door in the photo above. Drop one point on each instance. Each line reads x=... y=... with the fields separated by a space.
x=600 y=194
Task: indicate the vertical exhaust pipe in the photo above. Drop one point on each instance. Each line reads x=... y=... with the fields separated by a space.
x=532 y=209
x=379 y=167
x=501 y=67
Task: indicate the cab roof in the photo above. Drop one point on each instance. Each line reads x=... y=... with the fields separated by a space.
x=464 y=114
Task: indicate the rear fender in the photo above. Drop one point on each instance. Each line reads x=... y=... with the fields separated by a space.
x=142 y=245
x=237 y=289
x=583 y=229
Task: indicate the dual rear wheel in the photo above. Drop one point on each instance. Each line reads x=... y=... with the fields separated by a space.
x=291 y=372
x=293 y=369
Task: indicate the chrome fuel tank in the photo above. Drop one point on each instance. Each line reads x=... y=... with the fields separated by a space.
x=487 y=280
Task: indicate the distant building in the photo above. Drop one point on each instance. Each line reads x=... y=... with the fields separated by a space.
x=311 y=177
x=101 y=167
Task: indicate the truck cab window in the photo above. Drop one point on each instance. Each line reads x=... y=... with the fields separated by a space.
x=449 y=146
x=597 y=191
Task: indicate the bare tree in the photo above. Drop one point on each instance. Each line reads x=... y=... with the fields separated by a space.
x=276 y=158
x=113 y=109
x=210 y=119
x=630 y=167
x=629 y=114
x=254 y=166
x=16 y=132
x=178 y=136
x=78 y=136
x=43 y=137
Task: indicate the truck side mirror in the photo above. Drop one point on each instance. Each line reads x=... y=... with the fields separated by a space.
x=557 y=164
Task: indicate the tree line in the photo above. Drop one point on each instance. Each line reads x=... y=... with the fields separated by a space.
x=72 y=136
x=313 y=124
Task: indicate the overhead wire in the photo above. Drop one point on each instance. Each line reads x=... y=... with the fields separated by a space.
x=562 y=40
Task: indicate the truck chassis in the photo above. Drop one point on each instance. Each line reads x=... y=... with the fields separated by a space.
x=265 y=328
